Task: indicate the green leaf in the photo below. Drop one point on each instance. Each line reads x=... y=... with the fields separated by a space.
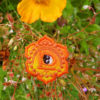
x=64 y=30
x=84 y=47
x=74 y=92
x=83 y=14
x=97 y=6
x=81 y=35
x=96 y=41
x=68 y=11
x=98 y=19
x=92 y=28
x=2 y=73
x=1 y=87
x=77 y=3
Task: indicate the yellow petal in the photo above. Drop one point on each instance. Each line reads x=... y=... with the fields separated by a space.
x=53 y=11
x=61 y=4
x=28 y=11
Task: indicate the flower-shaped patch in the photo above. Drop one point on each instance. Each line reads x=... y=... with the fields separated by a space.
x=46 y=59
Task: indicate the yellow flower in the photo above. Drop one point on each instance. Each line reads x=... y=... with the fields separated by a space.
x=46 y=10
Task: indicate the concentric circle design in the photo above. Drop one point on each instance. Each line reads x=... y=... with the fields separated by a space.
x=46 y=59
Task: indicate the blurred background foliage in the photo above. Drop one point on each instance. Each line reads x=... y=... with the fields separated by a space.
x=78 y=29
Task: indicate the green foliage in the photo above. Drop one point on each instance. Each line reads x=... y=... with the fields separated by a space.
x=74 y=31
x=2 y=74
x=84 y=47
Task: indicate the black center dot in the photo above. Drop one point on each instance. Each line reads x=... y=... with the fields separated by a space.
x=47 y=59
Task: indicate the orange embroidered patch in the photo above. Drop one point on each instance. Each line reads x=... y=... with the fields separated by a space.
x=46 y=59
